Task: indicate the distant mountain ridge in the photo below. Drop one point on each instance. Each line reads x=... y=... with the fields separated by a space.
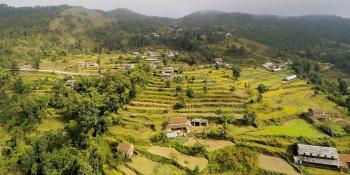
x=78 y=28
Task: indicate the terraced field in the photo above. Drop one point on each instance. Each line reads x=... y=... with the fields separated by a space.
x=155 y=103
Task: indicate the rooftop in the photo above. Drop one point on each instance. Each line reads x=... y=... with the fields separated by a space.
x=317 y=151
x=123 y=147
x=177 y=120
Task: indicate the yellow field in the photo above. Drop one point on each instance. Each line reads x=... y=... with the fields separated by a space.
x=184 y=160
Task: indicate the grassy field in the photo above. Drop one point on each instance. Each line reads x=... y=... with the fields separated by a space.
x=294 y=128
x=145 y=166
x=276 y=164
x=283 y=99
x=126 y=171
x=184 y=160
x=212 y=145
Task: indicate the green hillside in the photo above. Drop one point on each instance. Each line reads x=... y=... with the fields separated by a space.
x=81 y=90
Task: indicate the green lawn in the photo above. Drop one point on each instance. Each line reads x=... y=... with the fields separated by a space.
x=294 y=128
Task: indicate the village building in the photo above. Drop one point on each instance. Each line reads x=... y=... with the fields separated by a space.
x=136 y=53
x=92 y=64
x=317 y=114
x=226 y=65
x=151 y=59
x=180 y=30
x=302 y=52
x=155 y=35
x=197 y=122
x=126 y=149
x=179 y=125
x=276 y=67
x=167 y=76
x=170 y=54
x=203 y=37
x=219 y=61
x=128 y=66
x=171 y=135
x=81 y=64
x=70 y=83
x=326 y=157
x=229 y=34
x=292 y=77
x=168 y=70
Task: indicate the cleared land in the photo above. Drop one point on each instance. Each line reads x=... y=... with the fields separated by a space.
x=276 y=164
x=184 y=160
x=126 y=170
x=145 y=166
x=295 y=128
x=212 y=145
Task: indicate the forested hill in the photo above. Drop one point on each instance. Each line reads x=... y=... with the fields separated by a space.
x=66 y=29
x=277 y=30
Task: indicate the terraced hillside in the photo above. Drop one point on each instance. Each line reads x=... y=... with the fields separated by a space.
x=156 y=102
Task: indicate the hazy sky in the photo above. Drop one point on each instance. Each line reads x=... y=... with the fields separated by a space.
x=179 y=8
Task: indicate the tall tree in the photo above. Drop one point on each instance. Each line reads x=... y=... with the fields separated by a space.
x=236 y=72
x=343 y=86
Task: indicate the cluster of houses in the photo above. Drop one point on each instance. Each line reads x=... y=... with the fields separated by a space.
x=125 y=67
x=320 y=156
x=181 y=126
x=169 y=72
x=276 y=67
x=170 y=54
x=88 y=64
x=316 y=114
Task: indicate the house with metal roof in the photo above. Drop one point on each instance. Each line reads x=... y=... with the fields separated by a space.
x=326 y=157
x=197 y=122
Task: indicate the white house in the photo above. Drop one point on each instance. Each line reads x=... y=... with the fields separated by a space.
x=291 y=78
x=171 y=135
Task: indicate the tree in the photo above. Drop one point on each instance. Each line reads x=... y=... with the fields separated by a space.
x=190 y=93
x=180 y=104
x=262 y=88
x=236 y=72
x=98 y=61
x=20 y=87
x=36 y=63
x=205 y=88
x=343 y=86
x=348 y=104
x=178 y=88
x=167 y=84
x=14 y=68
x=250 y=118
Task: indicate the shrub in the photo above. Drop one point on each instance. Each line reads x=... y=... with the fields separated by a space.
x=199 y=149
x=347 y=129
x=332 y=130
x=180 y=104
x=190 y=93
x=262 y=88
x=167 y=84
x=250 y=118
